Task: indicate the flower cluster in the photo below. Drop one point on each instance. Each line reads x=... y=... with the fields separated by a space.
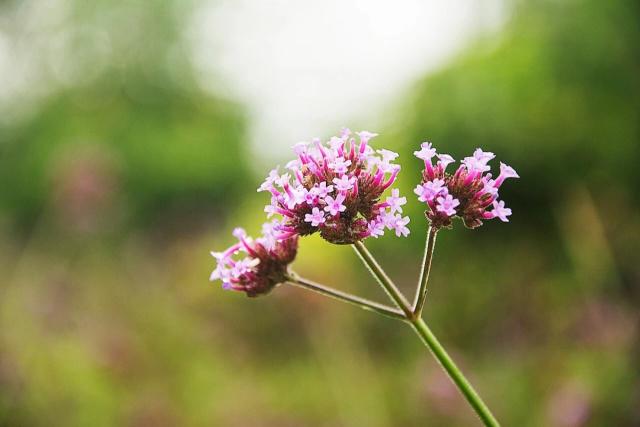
x=263 y=266
x=469 y=193
x=335 y=188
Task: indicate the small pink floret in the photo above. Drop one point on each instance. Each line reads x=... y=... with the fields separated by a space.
x=426 y=152
x=500 y=211
x=447 y=205
x=334 y=206
x=316 y=217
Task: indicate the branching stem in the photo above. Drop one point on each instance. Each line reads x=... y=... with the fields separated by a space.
x=421 y=295
x=423 y=331
x=379 y=274
x=366 y=304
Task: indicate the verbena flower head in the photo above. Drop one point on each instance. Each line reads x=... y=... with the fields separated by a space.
x=255 y=266
x=469 y=193
x=335 y=188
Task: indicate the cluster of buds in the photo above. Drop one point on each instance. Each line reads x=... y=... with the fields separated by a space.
x=469 y=193
x=335 y=188
x=255 y=266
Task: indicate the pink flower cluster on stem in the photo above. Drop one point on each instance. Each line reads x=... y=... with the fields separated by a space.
x=469 y=193
x=335 y=188
x=255 y=266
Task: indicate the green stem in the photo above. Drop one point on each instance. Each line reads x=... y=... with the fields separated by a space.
x=454 y=373
x=428 y=338
x=366 y=304
x=421 y=295
x=378 y=273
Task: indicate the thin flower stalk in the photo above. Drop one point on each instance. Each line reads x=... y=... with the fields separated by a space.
x=363 y=303
x=456 y=375
x=421 y=295
x=379 y=274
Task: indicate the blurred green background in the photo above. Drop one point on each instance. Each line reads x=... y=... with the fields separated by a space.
x=119 y=173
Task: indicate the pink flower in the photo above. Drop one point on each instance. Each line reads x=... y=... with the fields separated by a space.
x=309 y=196
x=444 y=160
x=365 y=136
x=301 y=148
x=478 y=162
x=375 y=228
x=447 y=205
x=388 y=155
x=474 y=164
x=316 y=217
x=243 y=266
x=264 y=266
x=468 y=193
x=270 y=210
x=335 y=143
x=426 y=152
x=269 y=235
x=430 y=189
x=322 y=190
x=483 y=156
x=500 y=211
x=344 y=174
x=395 y=202
x=239 y=233
x=505 y=172
x=335 y=205
x=490 y=187
x=385 y=166
x=293 y=197
x=340 y=165
x=399 y=224
x=345 y=183
x=283 y=180
x=271 y=178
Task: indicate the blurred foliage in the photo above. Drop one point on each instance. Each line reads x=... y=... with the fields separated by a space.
x=121 y=93
x=541 y=313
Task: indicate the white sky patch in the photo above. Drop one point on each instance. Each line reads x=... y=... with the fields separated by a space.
x=306 y=68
